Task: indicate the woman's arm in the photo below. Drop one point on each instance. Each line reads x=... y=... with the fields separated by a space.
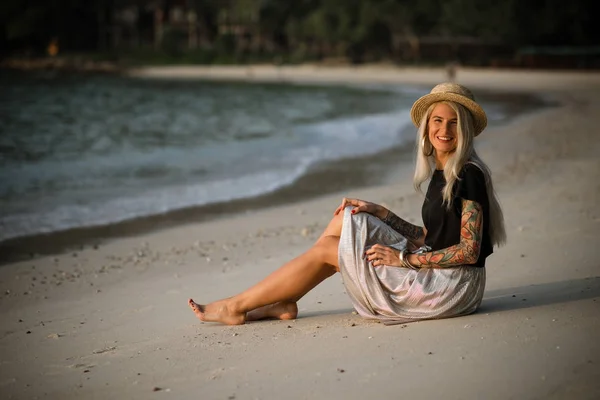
x=416 y=234
x=466 y=251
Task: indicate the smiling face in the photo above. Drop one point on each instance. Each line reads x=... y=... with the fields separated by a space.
x=443 y=132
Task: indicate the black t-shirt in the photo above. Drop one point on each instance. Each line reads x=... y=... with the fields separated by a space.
x=443 y=225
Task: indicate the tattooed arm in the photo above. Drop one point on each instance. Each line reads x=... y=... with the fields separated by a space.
x=466 y=251
x=414 y=233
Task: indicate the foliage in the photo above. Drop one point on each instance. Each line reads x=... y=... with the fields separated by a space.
x=297 y=30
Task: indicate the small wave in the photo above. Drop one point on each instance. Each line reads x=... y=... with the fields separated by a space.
x=240 y=170
x=145 y=203
x=361 y=136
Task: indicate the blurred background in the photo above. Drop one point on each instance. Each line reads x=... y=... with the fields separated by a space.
x=521 y=33
x=81 y=150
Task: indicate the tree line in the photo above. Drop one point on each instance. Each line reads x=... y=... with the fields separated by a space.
x=296 y=30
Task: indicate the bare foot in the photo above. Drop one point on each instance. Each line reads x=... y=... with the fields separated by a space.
x=280 y=310
x=218 y=311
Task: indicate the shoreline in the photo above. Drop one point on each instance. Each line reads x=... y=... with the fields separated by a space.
x=322 y=179
x=112 y=322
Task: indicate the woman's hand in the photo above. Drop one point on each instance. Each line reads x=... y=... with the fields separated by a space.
x=380 y=255
x=362 y=206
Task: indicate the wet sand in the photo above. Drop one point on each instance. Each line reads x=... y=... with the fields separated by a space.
x=111 y=321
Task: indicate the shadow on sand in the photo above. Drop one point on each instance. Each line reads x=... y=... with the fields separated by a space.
x=498 y=300
x=540 y=295
x=341 y=313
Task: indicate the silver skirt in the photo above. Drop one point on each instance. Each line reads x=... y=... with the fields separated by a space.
x=396 y=295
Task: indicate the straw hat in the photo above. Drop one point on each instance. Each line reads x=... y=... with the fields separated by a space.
x=450 y=92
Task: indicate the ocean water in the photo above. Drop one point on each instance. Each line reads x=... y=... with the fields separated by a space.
x=81 y=151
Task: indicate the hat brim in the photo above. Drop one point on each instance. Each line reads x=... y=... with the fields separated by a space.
x=420 y=107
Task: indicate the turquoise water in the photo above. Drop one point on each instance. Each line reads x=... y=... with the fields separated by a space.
x=78 y=151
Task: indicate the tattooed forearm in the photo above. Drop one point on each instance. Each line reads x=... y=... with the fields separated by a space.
x=412 y=232
x=467 y=250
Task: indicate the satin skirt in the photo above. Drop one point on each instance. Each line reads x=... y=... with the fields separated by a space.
x=395 y=295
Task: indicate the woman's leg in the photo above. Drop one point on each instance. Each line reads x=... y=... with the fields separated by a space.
x=289 y=309
x=286 y=285
x=334 y=228
x=280 y=310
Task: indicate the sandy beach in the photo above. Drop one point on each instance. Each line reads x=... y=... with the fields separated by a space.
x=110 y=320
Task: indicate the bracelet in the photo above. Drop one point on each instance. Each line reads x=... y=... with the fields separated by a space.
x=410 y=265
x=401 y=256
x=404 y=261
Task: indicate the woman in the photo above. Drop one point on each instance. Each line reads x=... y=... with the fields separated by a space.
x=442 y=276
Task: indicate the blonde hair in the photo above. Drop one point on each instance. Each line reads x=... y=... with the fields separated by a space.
x=464 y=153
